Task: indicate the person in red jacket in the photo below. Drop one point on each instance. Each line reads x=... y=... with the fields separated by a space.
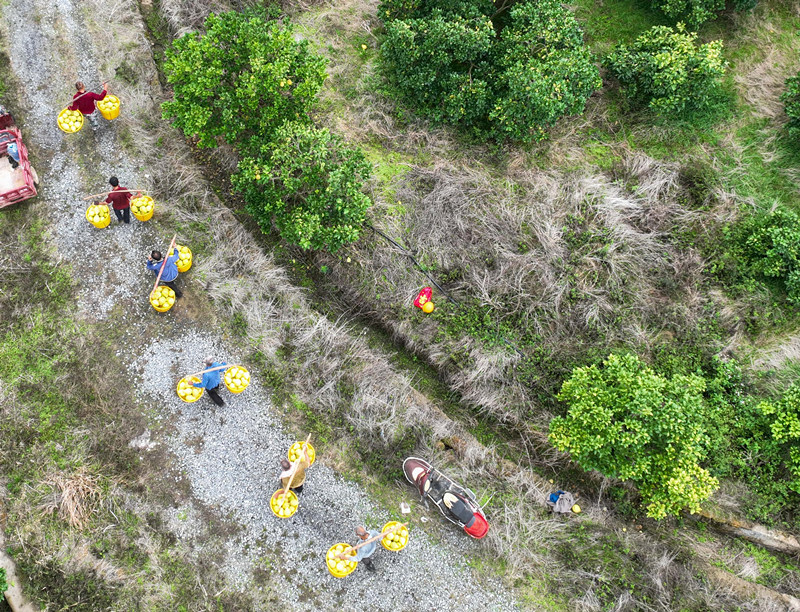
x=85 y=101
x=120 y=200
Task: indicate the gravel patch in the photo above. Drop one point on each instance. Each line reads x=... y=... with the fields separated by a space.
x=230 y=455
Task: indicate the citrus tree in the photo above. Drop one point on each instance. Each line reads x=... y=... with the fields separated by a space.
x=307 y=185
x=666 y=69
x=791 y=100
x=498 y=70
x=785 y=427
x=627 y=422
x=249 y=82
x=695 y=12
x=769 y=245
x=240 y=80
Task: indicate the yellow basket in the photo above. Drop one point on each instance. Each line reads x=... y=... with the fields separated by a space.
x=109 y=107
x=184 y=258
x=287 y=509
x=98 y=215
x=163 y=298
x=187 y=392
x=295 y=452
x=395 y=541
x=236 y=379
x=70 y=121
x=143 y=207
x=339 y=567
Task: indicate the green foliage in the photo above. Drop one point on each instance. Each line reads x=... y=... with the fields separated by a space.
x=241 y=80
x=547 y=71
x=3 y=583
x=249 y=82
x=791 y=100
x=785 y=428
x=693 y=12
x=625 y=421
x=769 y=245
x=665 y=69
x=308 y=184
x=505 y=74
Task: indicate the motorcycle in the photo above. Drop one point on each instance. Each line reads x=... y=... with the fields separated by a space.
x=456 y=503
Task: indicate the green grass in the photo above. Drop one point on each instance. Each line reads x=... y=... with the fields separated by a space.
x=603 y=27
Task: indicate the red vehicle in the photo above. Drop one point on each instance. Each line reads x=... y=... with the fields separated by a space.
x=456 y=503
x=18 y=179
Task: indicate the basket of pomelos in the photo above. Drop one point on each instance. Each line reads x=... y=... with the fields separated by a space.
x=187 y=392
x=162 y=298
x=98 y=215
x=236 y=379
x=296 y=452
x=282 y=504
x=341 y=567
x=70 y=121
x=109 y=107
x=142 y=207
x=397 y=540
x=184 y=258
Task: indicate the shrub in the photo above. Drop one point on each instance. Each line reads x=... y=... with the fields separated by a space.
x=546 y=71
x=241 y=80
x=497 y=74
x=769 y=245
x=249 y=82
x=627 y=422
x=306 y=184
x=693 y=12
x=785 y=427
x=791 y=100
x=3 y=583
x=666 y=70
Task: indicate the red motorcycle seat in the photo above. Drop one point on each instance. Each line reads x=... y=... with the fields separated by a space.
x=479 y=528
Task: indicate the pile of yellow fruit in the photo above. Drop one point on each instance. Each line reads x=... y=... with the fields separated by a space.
x=98 y=215
x=187 y=392
x=236 y=379
x=162 y=298
x=142 y=207
x=396 y=540
x=70 y=121
x=109 y=107
x=340 y=567
x=184 y=258
x=296 y=452
x=283 y=505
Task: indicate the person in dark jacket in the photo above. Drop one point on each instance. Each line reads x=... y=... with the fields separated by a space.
x=120 y=200
x=85 y=102
x=170 y=274
x=211 y=380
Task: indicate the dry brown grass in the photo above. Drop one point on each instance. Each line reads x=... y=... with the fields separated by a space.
x=75 y=496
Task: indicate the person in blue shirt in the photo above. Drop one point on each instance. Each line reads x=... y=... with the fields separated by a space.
x=365 y=552
x=211 y=380
x=170 y=274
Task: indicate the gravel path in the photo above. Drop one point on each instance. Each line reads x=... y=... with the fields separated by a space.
x=229 y=455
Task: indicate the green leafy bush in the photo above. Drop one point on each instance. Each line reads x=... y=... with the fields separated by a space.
x=694 y=12
x=665 y=69
x=3 y=583
x=627 y=422
x=785 y=427
x=249 y=82
x=306 y=184
x=769 y=245
x=506 y=73
x=791 y=100
x=241 y=80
